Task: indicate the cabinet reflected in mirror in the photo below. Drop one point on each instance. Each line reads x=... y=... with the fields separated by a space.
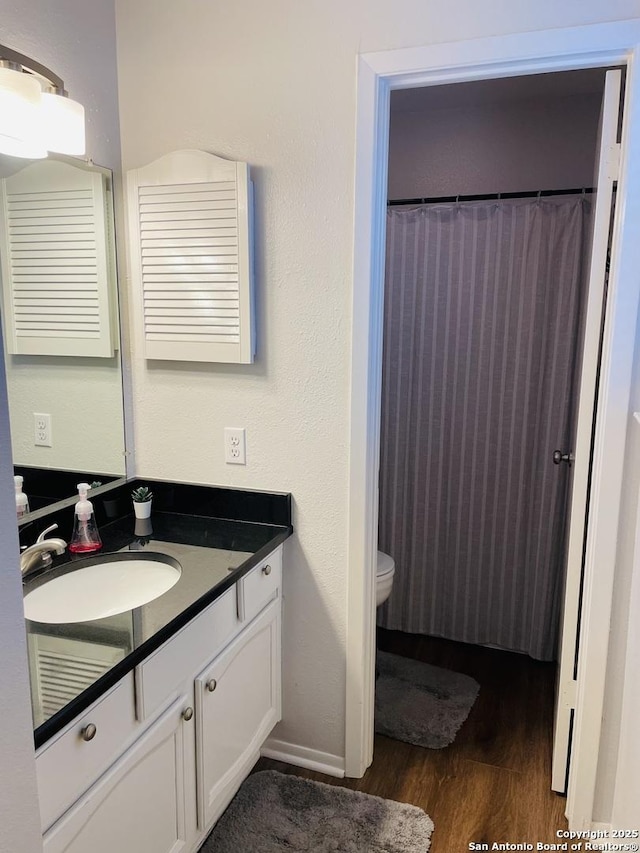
x=60 y=324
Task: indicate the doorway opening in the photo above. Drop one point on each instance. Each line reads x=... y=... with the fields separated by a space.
x=505 y=56
x=489 y=229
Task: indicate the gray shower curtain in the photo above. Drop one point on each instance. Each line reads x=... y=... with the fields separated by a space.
x=483 y=317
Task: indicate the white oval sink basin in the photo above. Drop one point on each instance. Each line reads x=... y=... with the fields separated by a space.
x=102 y=586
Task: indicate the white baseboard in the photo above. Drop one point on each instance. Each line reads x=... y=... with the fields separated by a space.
x=601 y=843
x=302 y=756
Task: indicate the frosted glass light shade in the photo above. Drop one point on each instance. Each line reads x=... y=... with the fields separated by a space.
x=62 y=124
x=20 y=116
x=20 y=148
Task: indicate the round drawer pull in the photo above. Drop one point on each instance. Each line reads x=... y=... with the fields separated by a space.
x=211 y=685
x=88 y=732
x=187 y=714
x=266 y=570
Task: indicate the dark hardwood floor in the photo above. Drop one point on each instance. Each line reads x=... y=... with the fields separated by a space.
x=492 y=783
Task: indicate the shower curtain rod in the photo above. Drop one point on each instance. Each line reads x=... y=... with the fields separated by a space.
x=488 y=196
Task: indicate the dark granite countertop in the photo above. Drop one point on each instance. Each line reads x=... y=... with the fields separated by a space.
x=213 y=553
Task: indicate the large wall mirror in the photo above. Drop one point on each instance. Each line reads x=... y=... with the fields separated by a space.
x=60 y=324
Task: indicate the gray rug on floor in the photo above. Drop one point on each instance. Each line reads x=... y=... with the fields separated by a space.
x=277 y=813
x=421 y=704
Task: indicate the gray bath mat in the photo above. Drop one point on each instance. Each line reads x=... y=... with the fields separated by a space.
x=421 y=704
x=276 y=813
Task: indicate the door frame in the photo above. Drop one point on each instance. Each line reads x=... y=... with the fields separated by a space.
x=513 y=55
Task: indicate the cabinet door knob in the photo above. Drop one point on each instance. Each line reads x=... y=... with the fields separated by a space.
x=187 y=714
x=211 y=685
x=266 y=570
x=88 y=732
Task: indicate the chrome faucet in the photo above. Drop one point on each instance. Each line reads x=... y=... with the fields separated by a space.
x=38 y=555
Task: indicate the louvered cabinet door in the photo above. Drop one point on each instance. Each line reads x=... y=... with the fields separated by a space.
x=56 y=255
x=190 y=257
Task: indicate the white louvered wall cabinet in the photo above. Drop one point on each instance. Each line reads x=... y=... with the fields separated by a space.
x=56 y=255
x=190 y=256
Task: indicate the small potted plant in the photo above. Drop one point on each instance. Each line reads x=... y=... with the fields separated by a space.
x=141 y=498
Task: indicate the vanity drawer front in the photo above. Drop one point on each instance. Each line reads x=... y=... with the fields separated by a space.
x=163 y=675
x=260 y=586
x=67 y=765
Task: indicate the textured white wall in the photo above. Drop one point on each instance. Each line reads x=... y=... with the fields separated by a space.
x=509 y=146
x=619 y=742
x=76 y=38
x=627 y=783
x=274 y=84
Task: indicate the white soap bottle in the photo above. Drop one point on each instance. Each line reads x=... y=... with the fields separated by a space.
x=85 y=537
x=22 y=501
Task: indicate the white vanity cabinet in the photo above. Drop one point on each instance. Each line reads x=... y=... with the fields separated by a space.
x=142 y=803
x=158 y=771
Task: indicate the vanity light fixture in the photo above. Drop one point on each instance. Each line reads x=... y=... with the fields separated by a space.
x=36 y=114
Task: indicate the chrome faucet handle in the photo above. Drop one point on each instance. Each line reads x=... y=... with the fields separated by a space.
x=44 y=532
x=39 y=555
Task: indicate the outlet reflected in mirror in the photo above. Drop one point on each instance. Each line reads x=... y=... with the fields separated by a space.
x=60 y=325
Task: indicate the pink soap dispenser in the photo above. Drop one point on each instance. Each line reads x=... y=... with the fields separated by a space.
x=85 y=536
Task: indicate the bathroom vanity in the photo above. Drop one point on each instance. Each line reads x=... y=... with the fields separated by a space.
x=147 y=754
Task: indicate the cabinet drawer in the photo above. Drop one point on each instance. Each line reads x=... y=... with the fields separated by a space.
x=163 y=675
x=260 y=586
x=68 y=765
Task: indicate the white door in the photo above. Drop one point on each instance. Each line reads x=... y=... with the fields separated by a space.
x=607 y=165
x=237 y=705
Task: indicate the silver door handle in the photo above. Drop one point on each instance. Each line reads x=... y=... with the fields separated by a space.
x=559 y=456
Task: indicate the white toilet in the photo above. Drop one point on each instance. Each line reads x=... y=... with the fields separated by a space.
x=385 y=570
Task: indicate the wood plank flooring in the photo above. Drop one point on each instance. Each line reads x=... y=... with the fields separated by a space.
x=492 y=784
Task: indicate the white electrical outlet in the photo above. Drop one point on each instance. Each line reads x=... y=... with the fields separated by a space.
x=235 y=446
x=42 y=427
